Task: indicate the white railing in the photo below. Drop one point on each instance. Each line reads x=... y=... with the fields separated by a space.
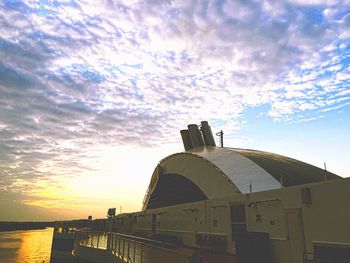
x=132 y=249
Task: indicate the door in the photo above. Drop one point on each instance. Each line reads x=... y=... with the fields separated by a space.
x=239 y=232
x=295 y=234
x=251 y=247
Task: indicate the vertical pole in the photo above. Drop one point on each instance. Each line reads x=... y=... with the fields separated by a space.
x=128 y=250
x=325 y=172
x=123 y=248
x=134 y=252
x=141 y=252
x=115 y=243
x=281 y=182
x=222 y=138
x=119 y=247
x=110 y=242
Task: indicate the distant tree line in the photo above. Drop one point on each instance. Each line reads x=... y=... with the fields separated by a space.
x=10 y=226
x=97 y=225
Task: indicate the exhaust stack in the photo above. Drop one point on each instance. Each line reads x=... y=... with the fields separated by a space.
x=207 y=134
x=194 y=137
x=186 y=140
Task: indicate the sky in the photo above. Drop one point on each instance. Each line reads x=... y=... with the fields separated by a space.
x=94 y=93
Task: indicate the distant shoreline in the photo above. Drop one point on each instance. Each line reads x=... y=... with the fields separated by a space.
x=76 y=223
x=13 y=226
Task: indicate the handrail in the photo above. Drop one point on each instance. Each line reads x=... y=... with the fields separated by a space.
x=129 y=237
x=132 y=249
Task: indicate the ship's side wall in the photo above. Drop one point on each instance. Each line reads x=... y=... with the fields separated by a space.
x=291 y=222
x=298 y=219
x=185 y=224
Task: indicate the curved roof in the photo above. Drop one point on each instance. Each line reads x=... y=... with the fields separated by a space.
x=242 y=171
x=289 y=171
x=214 y=172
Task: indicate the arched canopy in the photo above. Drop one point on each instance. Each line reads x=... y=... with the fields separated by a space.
x=214 y=172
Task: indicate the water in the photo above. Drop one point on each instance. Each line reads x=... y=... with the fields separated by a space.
x=26 y=246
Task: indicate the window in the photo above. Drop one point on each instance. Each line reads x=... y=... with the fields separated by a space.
x=331 y=253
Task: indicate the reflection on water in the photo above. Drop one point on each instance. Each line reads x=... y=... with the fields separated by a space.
x=26 y=246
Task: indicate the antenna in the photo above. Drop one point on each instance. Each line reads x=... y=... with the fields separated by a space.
x=281 y=181
x=221 y=138
x=325 y=171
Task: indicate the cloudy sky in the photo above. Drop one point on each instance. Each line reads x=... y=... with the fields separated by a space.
x=93 y=93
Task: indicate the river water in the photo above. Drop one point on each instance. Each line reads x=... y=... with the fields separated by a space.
x=26 y=246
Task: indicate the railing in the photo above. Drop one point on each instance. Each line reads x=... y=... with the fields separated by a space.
x=63 y=230
x=94 y=239
x=131 y=249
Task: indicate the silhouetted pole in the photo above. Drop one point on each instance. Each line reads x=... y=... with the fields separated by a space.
x=221 y=136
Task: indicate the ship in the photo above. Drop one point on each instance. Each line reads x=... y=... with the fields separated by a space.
x=219 y=204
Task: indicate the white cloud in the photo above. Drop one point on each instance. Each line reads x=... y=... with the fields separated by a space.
x=77 y=74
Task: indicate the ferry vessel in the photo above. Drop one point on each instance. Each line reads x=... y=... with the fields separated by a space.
x=221 y=204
